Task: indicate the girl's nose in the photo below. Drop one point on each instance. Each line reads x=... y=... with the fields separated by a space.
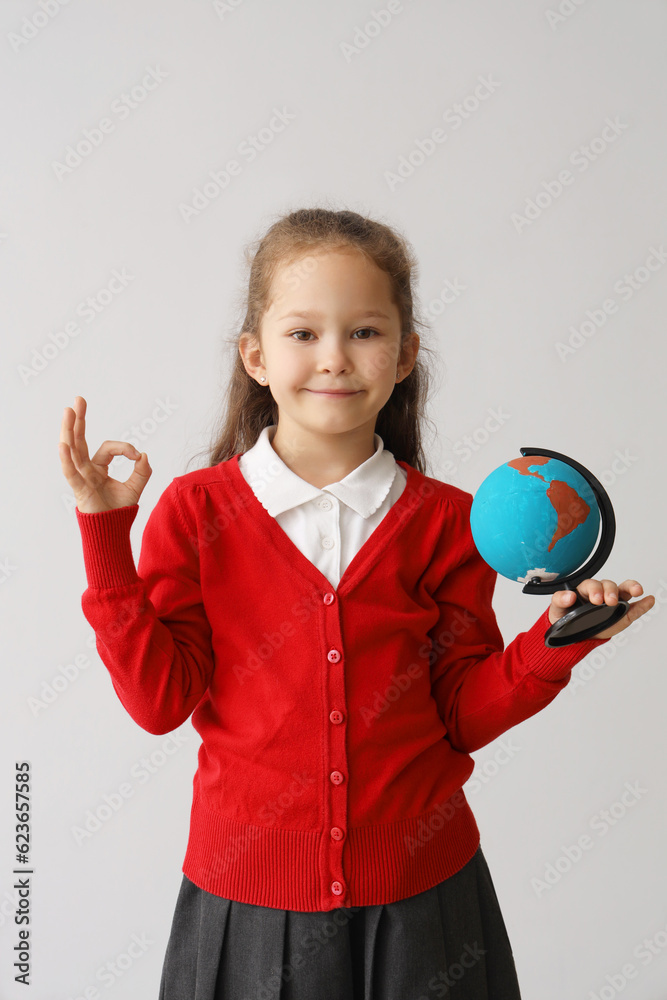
x=334 y=361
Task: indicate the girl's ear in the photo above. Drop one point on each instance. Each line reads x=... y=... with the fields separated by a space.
x=251 y=354
x=409 y=352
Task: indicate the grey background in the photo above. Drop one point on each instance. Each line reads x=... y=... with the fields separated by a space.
x=153 y=365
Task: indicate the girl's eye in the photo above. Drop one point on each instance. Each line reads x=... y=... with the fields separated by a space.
x=362 y=329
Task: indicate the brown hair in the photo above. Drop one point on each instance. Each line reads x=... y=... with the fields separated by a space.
x=250 y=407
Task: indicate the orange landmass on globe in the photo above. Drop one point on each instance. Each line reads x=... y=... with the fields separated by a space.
x=571 y=509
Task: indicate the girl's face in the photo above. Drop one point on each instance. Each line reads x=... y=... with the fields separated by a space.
x=330 y=325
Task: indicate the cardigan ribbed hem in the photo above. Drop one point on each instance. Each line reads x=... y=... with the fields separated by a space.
x=287 y=869
x=553 y=662
x=107 y=553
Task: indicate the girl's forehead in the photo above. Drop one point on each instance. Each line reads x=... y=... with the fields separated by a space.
x=321 y=268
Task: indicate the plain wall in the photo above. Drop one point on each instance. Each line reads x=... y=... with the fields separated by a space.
x=529 y=357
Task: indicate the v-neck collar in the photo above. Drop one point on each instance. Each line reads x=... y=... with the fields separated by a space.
x=365 y=558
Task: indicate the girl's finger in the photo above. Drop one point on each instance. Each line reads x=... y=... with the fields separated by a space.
x=593 y=590
x=70 y=471
x=112 y=449
x=79 y=431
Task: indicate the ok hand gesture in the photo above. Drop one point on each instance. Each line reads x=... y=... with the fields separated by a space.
x=89 y=478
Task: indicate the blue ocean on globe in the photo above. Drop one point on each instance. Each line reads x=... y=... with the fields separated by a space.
x=535 y=516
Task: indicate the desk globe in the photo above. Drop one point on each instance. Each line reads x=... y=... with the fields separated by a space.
x=535 y=520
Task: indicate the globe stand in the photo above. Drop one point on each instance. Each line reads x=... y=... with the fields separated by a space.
x=584 y=619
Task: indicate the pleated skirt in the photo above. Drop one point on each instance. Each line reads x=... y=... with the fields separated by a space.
x=449 y=941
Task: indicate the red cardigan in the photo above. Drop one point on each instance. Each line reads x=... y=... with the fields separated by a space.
x=336 y=724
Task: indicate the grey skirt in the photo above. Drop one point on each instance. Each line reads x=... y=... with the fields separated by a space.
x=449 y=941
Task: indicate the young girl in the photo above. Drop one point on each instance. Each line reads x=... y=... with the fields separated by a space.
x=315 y=601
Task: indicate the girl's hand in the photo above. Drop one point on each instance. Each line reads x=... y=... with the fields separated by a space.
x=598 y=591
x=93 y=488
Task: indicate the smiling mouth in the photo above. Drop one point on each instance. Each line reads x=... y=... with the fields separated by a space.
x=335 y=392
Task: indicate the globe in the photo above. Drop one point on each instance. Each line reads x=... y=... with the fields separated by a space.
x=535 y=516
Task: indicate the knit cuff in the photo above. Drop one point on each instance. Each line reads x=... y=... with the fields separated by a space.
x=553 y=662
x=107 y=553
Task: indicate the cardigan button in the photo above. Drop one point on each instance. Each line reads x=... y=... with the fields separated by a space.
x=336 y=717
x=336 y=777
x=329 y=598
x=337 y=833
x=333 y=655
x=337 y=888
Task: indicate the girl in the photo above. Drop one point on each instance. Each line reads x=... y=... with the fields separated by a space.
x=315 y=601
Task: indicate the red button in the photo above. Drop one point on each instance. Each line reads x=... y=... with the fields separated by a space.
x=336 y=777
x=337 y=833
x=333 y=655
x=336 y=717
x=329 y=598
x=337 y=888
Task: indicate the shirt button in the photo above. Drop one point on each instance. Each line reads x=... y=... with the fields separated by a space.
x=328 y=543
x=336 y=777
x=336 y=717
x=329 y=598
x=333 y=656
x=325 y=504
x=337 y=833
x=337 y=888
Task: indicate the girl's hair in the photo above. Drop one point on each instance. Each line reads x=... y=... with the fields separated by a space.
x=250 y=407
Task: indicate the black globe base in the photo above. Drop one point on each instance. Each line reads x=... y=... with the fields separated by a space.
x=583 y=621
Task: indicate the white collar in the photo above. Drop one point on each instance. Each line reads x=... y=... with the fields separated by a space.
x=278 y=488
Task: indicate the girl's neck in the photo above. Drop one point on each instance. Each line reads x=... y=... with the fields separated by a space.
x=321 y=459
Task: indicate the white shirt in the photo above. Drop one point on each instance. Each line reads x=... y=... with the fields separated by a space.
x=329 y=525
